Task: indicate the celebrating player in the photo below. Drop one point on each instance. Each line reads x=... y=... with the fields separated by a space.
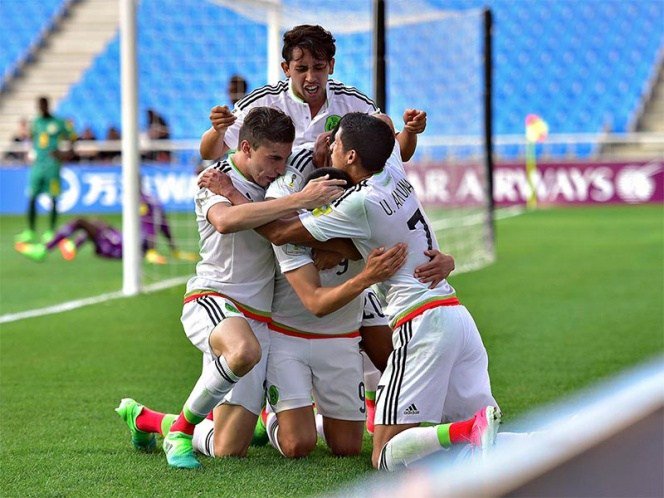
x=313 y=100
x=227 y=303
x=438 y=371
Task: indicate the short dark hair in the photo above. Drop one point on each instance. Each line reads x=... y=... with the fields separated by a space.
x=315 y=39
x=333 y=173
x=266 y=124
x=371 y=138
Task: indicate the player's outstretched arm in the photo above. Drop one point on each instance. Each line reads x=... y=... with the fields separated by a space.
x=212 y=142
x=436 y=270
x=381 y=264
x=415 y=122
x=229 y=219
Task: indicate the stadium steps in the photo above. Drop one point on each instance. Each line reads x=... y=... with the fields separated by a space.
x=60 y=62
x=651 y=121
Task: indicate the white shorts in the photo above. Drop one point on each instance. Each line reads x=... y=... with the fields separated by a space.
x=199 y=318
x=373 y=315
x=331 y=368
x=438 y=371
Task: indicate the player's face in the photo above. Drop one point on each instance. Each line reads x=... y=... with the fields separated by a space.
x=308 y=75
x=268 y=162
x=338 y=156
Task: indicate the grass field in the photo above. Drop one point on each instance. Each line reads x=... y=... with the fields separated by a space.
x=576 y=295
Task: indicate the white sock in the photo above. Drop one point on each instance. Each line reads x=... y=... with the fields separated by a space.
x=409 y=446
x=272 y=427
x=215 y=381
x=203 y=440
x=319 y=427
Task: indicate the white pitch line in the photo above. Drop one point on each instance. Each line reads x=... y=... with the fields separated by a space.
x=79 y=303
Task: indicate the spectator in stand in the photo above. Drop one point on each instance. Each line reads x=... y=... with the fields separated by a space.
x=22 y=136
x=237 y=88
x=111 y=155
x=87 y=151
x=157 y=130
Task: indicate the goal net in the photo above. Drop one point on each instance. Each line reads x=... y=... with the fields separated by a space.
x=188 y=51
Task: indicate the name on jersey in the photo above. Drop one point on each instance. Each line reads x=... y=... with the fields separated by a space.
x=399 y=195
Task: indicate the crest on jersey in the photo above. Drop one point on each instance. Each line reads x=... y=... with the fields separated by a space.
x=331 y=122
x=273 y=395
x=231 y=308
x=321 y=211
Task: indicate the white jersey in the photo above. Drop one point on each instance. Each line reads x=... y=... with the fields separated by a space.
x=382 y=211
x=238 y=265
x=341 y=99
x=289 y=315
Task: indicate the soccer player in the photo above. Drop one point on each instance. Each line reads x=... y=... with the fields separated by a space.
x=47 y=131
x=108 y=239
x=313 y=100
x=227 y=304
x=309 y=353
x=438 y=372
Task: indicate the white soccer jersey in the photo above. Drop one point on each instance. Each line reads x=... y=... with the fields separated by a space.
x=381 y=211
x=341 y=99
x=288 y=312
x=238 y=265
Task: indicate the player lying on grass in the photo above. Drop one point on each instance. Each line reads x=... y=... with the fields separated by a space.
x=107 y=239
x=314 y=102
x=438 y=371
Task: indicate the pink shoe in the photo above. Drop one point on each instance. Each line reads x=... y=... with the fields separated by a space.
x=485 y=428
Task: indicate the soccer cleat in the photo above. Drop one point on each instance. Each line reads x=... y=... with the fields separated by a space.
x=47 y=236
x=485 y=428
x=26 y=236
x=67 y=249
x=36 y=252
x=152 y=256
x=129 y=410
x=180 y=451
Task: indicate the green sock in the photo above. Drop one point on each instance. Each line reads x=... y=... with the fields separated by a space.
x=166 y=423
x=191 y=417
x=443 y=432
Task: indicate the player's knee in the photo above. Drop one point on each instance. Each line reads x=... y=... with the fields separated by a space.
x=346 y=448
x=296 y=447
x=243 y=356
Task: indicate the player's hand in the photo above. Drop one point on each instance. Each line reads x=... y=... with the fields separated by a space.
x=436 y=270
x=324 y=260
x=383 y=263
x=216 y=182
x=221 y=118
x=319 y=192
x=414 y=120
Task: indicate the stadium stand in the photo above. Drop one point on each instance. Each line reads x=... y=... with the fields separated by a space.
x=23 y=26
x=585 y=67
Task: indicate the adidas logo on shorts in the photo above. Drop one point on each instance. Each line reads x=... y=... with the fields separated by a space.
x=411 y=410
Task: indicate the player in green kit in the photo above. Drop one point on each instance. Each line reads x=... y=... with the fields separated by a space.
x=47 y=132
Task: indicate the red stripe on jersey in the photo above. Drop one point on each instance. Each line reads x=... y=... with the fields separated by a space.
x=253 y=314
x=450 y=301
x=308 y=335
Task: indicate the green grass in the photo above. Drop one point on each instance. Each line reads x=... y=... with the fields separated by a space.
x=575 y=296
